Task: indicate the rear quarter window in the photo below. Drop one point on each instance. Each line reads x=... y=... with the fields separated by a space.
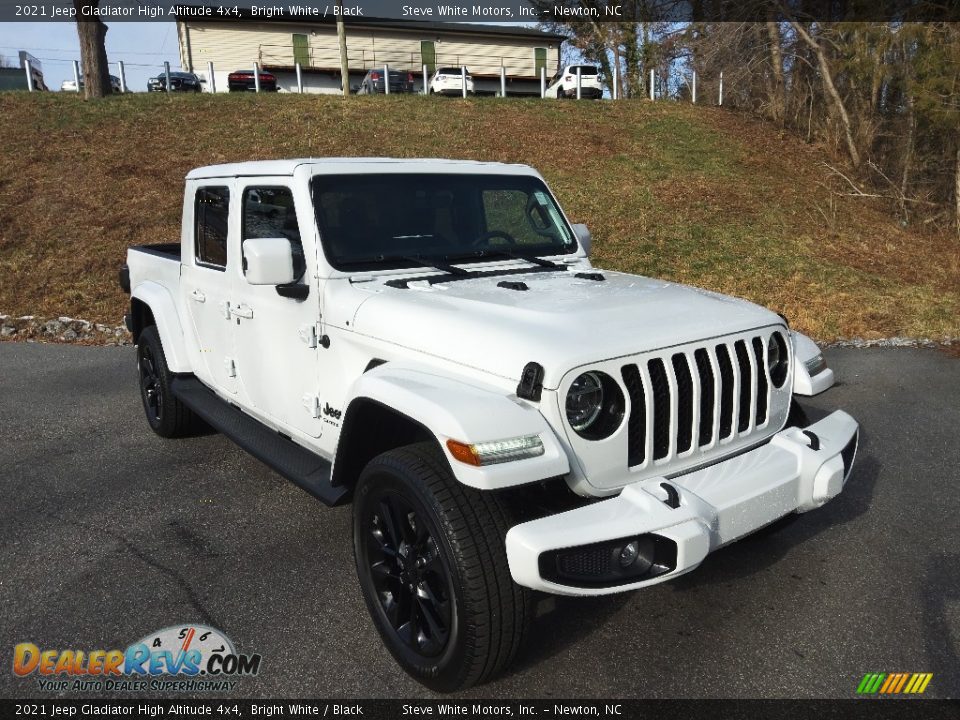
x=211 y=212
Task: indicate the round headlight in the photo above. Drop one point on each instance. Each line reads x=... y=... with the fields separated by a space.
x=595 y=405
x=584 y=401
x=777 y=359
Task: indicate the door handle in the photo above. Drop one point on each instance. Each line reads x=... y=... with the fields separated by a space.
x=244 y=311
x=198 y=296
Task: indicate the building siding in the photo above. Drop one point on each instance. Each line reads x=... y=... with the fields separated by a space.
x=231 y=47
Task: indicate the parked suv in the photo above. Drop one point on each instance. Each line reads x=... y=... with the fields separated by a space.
x=401 y=81
x=564 y=84
x=449 y=81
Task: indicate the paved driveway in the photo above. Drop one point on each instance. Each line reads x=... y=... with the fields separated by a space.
x=108 y=533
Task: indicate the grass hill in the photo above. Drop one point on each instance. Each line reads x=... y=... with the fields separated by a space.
x=695 y=194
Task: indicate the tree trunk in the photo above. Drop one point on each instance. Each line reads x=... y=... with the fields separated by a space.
x=344 y=62
x=831 y=90
x=776 y=63
x=956 y=192
x=93 y=51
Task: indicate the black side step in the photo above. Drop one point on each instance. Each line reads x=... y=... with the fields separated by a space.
x=297 y=464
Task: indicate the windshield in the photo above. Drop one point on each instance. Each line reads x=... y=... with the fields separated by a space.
x=584 y=70
x=389 y=220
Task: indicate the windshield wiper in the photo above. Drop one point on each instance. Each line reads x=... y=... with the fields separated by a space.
x=542 y=262
x=423 y=260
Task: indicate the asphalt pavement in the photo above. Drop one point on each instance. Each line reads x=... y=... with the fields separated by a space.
x=108 y=533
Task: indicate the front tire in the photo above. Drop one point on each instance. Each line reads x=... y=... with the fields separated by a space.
x=166 y=415
x=432 y=566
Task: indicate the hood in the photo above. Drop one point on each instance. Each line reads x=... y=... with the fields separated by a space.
x=561 y=321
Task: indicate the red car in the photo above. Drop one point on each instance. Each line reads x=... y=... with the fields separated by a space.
x=243 y=80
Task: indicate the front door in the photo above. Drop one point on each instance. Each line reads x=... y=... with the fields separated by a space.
x=205 y=282
x=275 y=332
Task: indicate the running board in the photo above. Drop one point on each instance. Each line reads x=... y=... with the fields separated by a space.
x=297 y=464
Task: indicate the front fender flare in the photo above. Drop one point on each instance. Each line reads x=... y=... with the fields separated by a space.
x=452 y=408
x=167 y=319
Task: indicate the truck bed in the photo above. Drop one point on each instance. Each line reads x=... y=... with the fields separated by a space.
x=158 y=263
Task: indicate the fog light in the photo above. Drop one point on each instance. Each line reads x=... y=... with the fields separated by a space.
x=629 y=553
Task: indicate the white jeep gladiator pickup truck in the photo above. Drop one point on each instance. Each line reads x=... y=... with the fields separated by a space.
x=428 y=339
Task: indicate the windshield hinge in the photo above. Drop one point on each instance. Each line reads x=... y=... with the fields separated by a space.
x=312 y=404
x=308 y=333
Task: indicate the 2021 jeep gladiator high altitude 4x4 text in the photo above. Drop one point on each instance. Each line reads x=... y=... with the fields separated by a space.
x=428 y=339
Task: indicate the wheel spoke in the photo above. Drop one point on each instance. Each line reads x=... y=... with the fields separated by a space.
x=389 y=518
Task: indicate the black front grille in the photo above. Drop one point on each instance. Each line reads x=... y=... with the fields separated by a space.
x=734 y=396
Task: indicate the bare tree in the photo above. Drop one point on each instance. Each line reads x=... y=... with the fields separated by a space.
x=826 y=75
x=93 y=51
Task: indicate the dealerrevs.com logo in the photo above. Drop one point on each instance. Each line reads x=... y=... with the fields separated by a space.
x=182 y=658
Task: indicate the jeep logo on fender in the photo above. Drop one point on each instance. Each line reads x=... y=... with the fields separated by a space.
x=327 y=410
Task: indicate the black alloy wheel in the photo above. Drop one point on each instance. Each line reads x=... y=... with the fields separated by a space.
x=411 y=578
x=151 y=391
x=432 y=565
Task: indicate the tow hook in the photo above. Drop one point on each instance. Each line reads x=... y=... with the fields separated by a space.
x=814 y=440
x=673 y=497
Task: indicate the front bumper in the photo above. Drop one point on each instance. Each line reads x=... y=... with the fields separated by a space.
x=797 y=471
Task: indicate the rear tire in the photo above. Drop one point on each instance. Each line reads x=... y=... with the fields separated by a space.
x=432 y=566
x=166 y=415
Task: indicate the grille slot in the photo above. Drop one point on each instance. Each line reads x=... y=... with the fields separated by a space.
x=707 y=391
x=726 y=391
x=688 y=401
x=684 y=402
x=637 y=423
x=762 y=388
x=661 y=408
x=746 y=385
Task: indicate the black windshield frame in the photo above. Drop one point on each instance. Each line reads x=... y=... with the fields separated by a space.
x=407 y=204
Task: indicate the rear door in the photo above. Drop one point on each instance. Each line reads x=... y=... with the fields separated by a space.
x=205 y=281
x=275 y=332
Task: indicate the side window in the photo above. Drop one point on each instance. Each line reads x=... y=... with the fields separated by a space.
x=268 y=212
x=211 y=211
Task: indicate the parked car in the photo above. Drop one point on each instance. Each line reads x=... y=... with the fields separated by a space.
x=449 y=81
x=401 y=81
x=71 y=85
x=179 y=82
x=243 y=80
x=564 y=84
x=428 y=340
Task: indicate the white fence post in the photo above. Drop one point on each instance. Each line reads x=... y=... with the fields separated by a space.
x=211 y=80
x=76 y=74
x=463 y=79
x=543 y=82
x=578 y=82
x=299 y=79
x=26 y=67
x=256 y=76
x=652 y=91
x=123 y=76
x=503 y=81
x=720 y=98
x=425 y=88
x=614 y=85
x=386 y=79
x=694 y=90
x=166 y=73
